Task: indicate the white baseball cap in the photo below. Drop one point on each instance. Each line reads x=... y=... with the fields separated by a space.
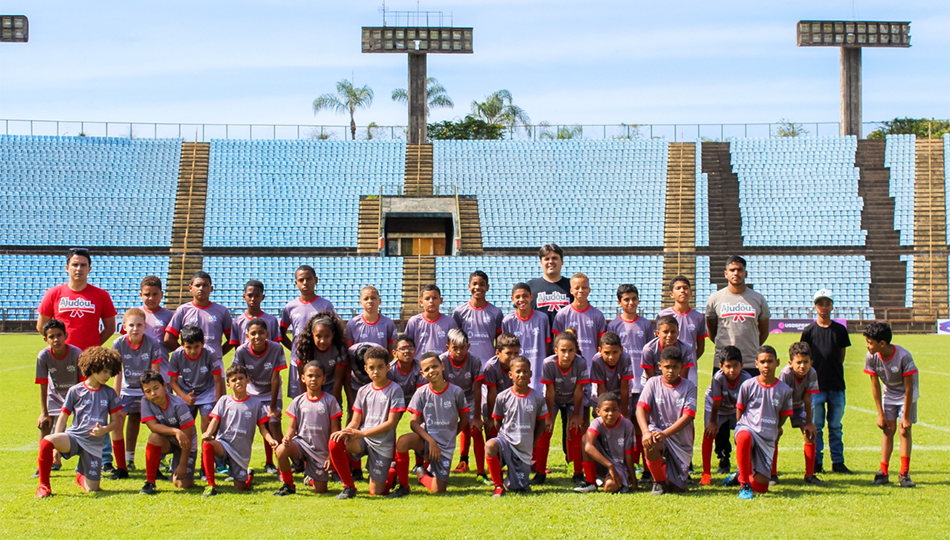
x=824 y=293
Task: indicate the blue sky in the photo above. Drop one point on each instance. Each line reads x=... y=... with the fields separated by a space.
x=565 y=62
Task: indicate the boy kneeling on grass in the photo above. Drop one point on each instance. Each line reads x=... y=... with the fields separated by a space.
x=609 y=447
x=173 y=431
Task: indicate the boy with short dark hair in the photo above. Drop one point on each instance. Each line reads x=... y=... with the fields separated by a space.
x=213 y=319
x=371 y=326
x=195 y=374
x=585 y=320
x=612 y=370
x=802 y=379
x=372 y=430
x=635 y=332
x=156 y=316
x=609 y=447
x=253 y=297
x=518 y=413
x=430 y=329
x=665 y=413
x=667 y=335
x=464 y=370
x=893 y=366
x=479 y=318
x=296 y=314
x=533 y=330
x=566 y=379
x=497 y=379
x=57 y=370
x=692 y=324
x=720 y=409
x=172 y=431
x=92 y=409
x=404 y=370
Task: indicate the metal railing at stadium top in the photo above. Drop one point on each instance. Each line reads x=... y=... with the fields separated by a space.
x=199 y=132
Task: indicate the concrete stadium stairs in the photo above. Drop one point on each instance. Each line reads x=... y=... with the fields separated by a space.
x=367 y=242
x=416 y=272
x=930 y=227
x=725 y=218
x=470 y=225
x=679 y=229
x=418 y=182
x=189 y=222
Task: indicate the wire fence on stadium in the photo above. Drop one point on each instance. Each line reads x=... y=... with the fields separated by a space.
x=198 y=132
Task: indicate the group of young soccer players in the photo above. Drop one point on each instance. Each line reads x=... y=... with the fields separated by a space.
x=626 y=393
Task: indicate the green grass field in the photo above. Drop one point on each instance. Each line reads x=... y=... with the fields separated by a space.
x=849 y=507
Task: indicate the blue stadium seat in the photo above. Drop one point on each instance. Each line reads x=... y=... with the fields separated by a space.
x=899 y=155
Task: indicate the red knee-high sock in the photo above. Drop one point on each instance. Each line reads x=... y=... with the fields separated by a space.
x=465 y=440
x=657 y=470
x=402 y=468
x=574 y=441
x=775 y=460
x=268 y=454
x=809 y=459
x=884 y=466
x=760 y=488
x=590 y=472
x=541 y=452
x=341 y=462
x=390 y=480
x=707 y=454
x=355 y=464
x=494 y=468
x=249 y=481
x=287 y=477
x=118 y=452
x=744 y=456
x=428 y=482
x=81 y=482
x=153 y=456
x=45 y=461
x=207 y=461
x=905 y=464
x=479 y=443
x=636 y=448
x=419 y=459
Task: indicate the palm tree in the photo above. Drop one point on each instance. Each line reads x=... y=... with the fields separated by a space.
x=438 y=98
x=499 y=108
x=348 y=98
x=563 y=132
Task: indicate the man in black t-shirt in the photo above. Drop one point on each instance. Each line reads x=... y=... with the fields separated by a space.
x=551 y=291
x=828 y=341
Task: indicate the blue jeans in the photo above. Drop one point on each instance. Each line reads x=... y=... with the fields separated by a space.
x=835 y=402
x=107 y=449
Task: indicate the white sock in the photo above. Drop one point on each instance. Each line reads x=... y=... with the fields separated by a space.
x=129 y=456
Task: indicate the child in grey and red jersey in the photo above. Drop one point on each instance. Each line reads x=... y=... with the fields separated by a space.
x=479 y=318
x=497 y=378
x=371 y=326
x=295 y=316
x=404 y=370
x=57 y=370
x=609 y=447
x=430 y=329
x=585 y=320
x=213 y=319
x=322 y=340
x=635 y=332
x=720 y=409
x=195 y=374
x=667 y=335
x=172 y=431
x=533 y=330
x=803 y=380
x=518 y=412
x=253 y=296
x=465 y=371
x=612 y=369
x=156 y=316
x=566 y=384
x=692 y=324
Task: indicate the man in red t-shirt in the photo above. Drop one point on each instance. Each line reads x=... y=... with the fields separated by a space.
x=79 y=305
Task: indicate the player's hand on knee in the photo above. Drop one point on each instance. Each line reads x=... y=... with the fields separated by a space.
x=905 y=426
x=549 y=424
x=882 y=422
x=712 y=429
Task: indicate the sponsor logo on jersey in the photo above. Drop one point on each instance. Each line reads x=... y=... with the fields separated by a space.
x=446 y=404
x=77 y=308
x=529 y=407
x=321 y=408
x=552 y=301
x=738 y=311
x=247 y=414
x=383 y=398
x=894 y=369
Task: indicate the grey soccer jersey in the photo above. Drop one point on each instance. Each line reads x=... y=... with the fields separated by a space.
x=237 y=421
x=892 y=372
x=650 y=359
x=295 y=316
x=409 y=382
x=260 y=367
x=381 y=333
x=692 y=325
x=481 y=325
x=667 y=404
x=564 y=381
x=440 y=413
x=176 y=414
x=156 y=322
x=465 y=376
x=214 y=320
x=430 y=336
x=313 y=422
x=610 y=377
x=136 y=360
x=329 y=359
x=60 y=374
x=195 y=374
x=375 y=405
x=497 y=376
x=239 y=328
x=615 y=442
x=520 y=415
x=534 y=333
x=763 y=408
x=725 y=393
x=634 y=335
x=89 y=407
x=589 y=325
x=808 y=385
x=738 y=318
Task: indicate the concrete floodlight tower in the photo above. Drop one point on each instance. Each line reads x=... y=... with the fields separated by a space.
x=851 y=37
x=416 y=34
x=14 y=29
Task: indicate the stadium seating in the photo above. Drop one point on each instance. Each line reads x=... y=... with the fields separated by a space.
x=605 y=274
x=87 y=191
x=340 y=281
x=702 y=199
x=571 y=192
x=286 y=193
x=909 y=289
x=702 y=287
x=899 y=156
x=798 y=191
x=26 y=277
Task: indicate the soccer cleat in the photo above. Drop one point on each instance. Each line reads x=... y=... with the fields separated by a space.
x=731 y=480
x=229 y=478
x=160 y=476
x=658 y=489
x=724 y=466
x=484 y=480
x=462 y=467
x=419 y=470
x=598 y=481
x=705 y=480
x=43 y=491
x=220 y=468
x=819 y=468
x=347 y=493
x=625 y=490
x=130 y=465
x=499 y=491
x=149 y=489
x=840 y=468
x=307 y=481
x=270 y=468
x=357 y=475
x=586 y=487
x=108 y=468
x=299 y=466
x=56 y=466
x=210 y=491
x=285 y=489
x=203 y=477
x=815 y=481
x=35 y=474
x=578 y=479
x=163 y=465
x=119 y=474
x=746 y=493
x=538 y=479
x=773 y=480
x=880 y=479
x=399 y=492
x=905 y=481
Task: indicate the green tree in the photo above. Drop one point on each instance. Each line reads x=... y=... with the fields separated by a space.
x=348 y=98
x=562 y=133
x=921 y=127
x=787 y=128
x=499 y=108
x=438 y=98
x=470 y=128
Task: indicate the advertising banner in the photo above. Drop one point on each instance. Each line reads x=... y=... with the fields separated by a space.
x=795 y=326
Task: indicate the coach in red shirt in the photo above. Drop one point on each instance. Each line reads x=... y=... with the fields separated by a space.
x=79 y=305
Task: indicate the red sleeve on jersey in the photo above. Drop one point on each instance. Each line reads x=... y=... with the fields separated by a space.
x=871 y=373
x=147 y=418
x=216 y=417
x=171 y=331
x=719 y=398
x=284 y=325
x=115 y=410
x=216 y=372
x=594 y=431
x=337 y=415
x=65 y=411
x=188 y=425
x=290 y=415
x=496 y=417
x=157 y=360
x=626 y=378
x=813 y=391
x=262 y=421
x=542 y=417
x=643 y=405
x=740 y=406
x=357 y=410
x=173 y=374
x=233 y=341
x=465 y=410
x=280 y=367
x=42 y=381
x=689 y=412
x=397 y=409
x=486 y=383
x=909 y=373
x=786 y=413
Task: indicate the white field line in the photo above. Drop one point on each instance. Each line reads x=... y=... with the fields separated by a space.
x=928 y=372
x=924 y=424
x=16 y=368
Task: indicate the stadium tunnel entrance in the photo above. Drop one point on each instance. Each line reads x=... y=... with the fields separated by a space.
x=415 y=226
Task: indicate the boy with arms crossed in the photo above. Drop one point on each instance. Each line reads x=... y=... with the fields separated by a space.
x=533 y=330
x=371 y=326
x=172 y=431
x=802 y=379
x=57 y=370
x=480 y=319
x=253 y=296
x=609 y=447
